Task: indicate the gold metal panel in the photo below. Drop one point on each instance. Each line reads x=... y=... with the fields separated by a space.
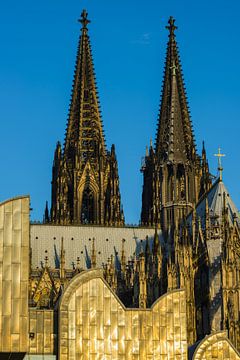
x=128 y=321
x=16 y=281
x=1 y=243
x=15 y=323
x=7 y=257
x=79 y=342
x=6 y=333
x=85 y=317
x=114 y=325
x=8 y=206
x=72 y=304
x=108 y=330
x=107 y=311
x=107 y=346
x=121 y=342
x=47 y=332
x=93 y=341
x=1 y=218
x=14 y=303
x=25 y=229
x=24 y=299
x=100 y=295
x=114 y=303
x=72 y=325
x=24 y=263
x=16 y=216
x=7 y=236
x=216 y=346
x=23 y=333
x=15 y=343
x=40 y=346
x=72 y=350
x=16 y=253
x=99 y=325
x=86 y=296
x=6 y=301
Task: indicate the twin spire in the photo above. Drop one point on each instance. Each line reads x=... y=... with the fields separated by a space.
x=85 y=181
x=85 y=185
x=84 y=134
x=174 y=139
x=173 y=173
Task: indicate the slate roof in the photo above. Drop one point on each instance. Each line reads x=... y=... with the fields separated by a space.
x=46 y=241
x=215 y=197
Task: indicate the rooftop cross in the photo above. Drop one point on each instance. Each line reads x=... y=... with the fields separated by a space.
x=171 y=27
x=219 y=155
x=84 y=20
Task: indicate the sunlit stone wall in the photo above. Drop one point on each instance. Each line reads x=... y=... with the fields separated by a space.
x=93 y=324
x=14 y=274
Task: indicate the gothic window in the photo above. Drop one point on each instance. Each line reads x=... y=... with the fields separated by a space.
x=181 y=184
x=170 y=188
x=182 y=187
x=86 y=95
x=87 y=213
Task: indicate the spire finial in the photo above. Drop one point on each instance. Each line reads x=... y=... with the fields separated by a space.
x=171 y=27
x=220 y=168
x=84 y=20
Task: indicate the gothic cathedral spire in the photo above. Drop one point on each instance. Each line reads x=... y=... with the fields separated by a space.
x=85 y=183
x=172 y=170
x=175 y=139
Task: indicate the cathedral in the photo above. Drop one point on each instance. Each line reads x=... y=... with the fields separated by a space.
x=83 y=285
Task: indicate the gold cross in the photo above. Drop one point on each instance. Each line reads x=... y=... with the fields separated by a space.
x=220 y=168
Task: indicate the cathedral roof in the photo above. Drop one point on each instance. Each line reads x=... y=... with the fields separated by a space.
x=217 y=199
x=78 y=242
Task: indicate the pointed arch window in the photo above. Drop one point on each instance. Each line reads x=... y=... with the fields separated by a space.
x=87 y=214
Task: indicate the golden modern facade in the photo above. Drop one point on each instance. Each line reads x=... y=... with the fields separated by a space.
x=83 y=285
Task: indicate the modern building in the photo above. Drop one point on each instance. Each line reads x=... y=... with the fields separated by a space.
x=83 y=285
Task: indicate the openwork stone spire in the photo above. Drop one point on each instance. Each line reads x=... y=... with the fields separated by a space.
x=175 y=139
x=85 y=185
x=172 y=170
x=84 y=134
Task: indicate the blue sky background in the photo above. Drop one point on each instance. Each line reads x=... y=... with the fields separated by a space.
x=38 y=48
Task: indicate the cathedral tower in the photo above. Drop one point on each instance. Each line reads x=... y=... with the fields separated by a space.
x=172 y=170
x=85 y=182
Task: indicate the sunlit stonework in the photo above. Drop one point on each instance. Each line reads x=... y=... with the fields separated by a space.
x=82 y=285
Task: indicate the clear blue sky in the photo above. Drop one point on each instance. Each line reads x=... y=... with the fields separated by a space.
x=38 y=48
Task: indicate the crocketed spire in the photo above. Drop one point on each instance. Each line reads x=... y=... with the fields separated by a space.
x=174 y=139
